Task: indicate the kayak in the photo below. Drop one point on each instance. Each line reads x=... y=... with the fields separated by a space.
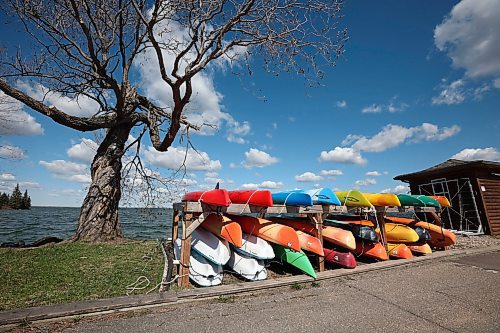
x=382 y=199
x=292 y=198
x=272 y=232
x=261 y=198
x=396 y=233
x=338 y=236
x=353 y=198
x=310 y=243
x=399 y=251
x=443 y=201
x=201 y=271
x=371 y=250
x=342 y=259
x=363 y=232
x=249 y=268
x=296 y=259
x=440 y=237
x=420 y=249
x=423 y=234
x=210 y=246
x=223 y=227
x=323 y=196
x=255 y=247
x=418 y=201
x=218 y=197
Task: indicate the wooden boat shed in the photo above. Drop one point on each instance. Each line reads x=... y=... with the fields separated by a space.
x=473 y=188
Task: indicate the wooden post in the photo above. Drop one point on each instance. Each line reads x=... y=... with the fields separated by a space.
x=175 y=225
x=381 y=224
x=317 y=219
x=185 y=252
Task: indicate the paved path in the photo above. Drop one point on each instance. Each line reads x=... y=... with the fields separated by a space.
x=454 y=295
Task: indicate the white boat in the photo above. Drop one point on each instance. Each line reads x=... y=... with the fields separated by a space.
x=255 y=247
x=210 y=246
x=201 y=271
x=250 y=268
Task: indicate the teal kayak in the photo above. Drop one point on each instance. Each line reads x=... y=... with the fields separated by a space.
x=296 y=259
x=418 y=200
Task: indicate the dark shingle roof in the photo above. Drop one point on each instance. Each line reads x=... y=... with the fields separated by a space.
x=451 y=165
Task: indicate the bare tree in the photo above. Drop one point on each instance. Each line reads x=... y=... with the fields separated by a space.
x=88 y=48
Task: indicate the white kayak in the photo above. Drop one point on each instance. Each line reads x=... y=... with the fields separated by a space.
x=201 y=271
x=255 y=247
x=249 y=268
x=210 y=246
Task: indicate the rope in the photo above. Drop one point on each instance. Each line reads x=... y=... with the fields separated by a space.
x=247 y=203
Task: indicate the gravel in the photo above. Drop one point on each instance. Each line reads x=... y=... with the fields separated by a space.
x=473 y=242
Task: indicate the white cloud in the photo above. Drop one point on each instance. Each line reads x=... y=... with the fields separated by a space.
x=233 y=165
x=470 y=36
x=14 y=121
x=11 y=152
x=308 y=177
x=211 y=174
x=258 y=158
x=394 y=135
x=331 y=173
x=7 y=176
x=342 y=155
x=372 y=109
x=175 y=157
x=68 y=170
x=29 y=184
x=236 y=131
x=496 y=83
x=81 y=106
x=373 y=174
x=454 y=93
x=364 y=182
x=83 y=151
x=342 y=104
x=470 y=154
x=397 y=190
x=213 y=180
x=268 y=184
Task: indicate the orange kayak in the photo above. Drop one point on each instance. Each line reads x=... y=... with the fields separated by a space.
x=440 y=237
x=421 y=249
x=310 y=243
x=371 y=250
x=443 y=201
x=224 y=228
x=337 y=236
x=265 y=229
x=399 y=251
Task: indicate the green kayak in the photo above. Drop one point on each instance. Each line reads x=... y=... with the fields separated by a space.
x=418 y=200
x=296 y=259
x=353 y=198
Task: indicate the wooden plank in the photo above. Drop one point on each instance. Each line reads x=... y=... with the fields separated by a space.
x=175 y=225
x=196 y=207
x=185 y=254
x=317 y=219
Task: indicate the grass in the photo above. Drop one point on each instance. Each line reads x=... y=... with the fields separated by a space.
x=75 y=271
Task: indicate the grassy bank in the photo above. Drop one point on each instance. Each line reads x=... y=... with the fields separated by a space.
x=75 y=271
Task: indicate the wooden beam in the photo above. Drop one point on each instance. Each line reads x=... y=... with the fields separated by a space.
x=317 y=219
x=196 y=207
x=175 y=225
x=185 y=254
x=380 y=211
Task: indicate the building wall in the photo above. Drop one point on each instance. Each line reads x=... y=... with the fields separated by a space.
x=490 y=193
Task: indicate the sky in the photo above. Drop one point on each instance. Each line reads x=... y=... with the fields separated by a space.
x=419 y=83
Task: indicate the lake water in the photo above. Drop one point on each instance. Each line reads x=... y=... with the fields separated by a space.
x=39 y=222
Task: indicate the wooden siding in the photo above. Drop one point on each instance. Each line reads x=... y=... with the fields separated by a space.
x=491 y=200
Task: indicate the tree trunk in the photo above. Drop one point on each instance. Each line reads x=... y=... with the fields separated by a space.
x=99 y=214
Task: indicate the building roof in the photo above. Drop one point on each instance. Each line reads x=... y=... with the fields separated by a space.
x=451 y=165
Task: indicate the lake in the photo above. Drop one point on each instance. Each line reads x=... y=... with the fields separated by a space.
x=39 y=222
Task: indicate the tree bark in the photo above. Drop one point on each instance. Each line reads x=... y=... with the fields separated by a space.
x=99 y=214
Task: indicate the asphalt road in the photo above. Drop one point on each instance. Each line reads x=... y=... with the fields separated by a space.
x=455 y=295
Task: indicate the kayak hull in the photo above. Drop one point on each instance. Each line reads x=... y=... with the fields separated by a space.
x=223 y=227
x=210 y=246
x=218 y=197
x=292 y=198
x=440 y=237
x=310 y=243
x=399 y=251
x=324 y=196
x=297 y=259
x=261 y=198
x=255 y=247
x=247 y=267
x=420 y=249
x=382 y=199
x=371 y=250
x=342 y=259
x=272 y=232
x=353 y=198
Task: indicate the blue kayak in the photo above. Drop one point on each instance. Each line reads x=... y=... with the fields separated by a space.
x=324 y=196
x=292 y=198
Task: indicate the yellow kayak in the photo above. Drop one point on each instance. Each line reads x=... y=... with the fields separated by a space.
x=396 y=233
x=353 y=198
x=422 y=249
x=443 y=201
x=382 y=199
x=399 y=251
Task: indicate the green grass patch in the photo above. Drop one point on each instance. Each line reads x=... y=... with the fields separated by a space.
x=297 y=286
x=75 y=271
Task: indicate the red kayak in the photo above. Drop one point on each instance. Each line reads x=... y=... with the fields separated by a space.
x=343 y=259
x=218 y=197
x=261 y=198
x=371 y=250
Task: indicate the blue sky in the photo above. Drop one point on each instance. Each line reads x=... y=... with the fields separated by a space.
x=419 y=83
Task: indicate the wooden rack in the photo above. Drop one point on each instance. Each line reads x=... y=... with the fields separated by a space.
x=192 y=214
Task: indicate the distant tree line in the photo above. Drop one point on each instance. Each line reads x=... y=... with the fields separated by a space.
x=16 y=200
